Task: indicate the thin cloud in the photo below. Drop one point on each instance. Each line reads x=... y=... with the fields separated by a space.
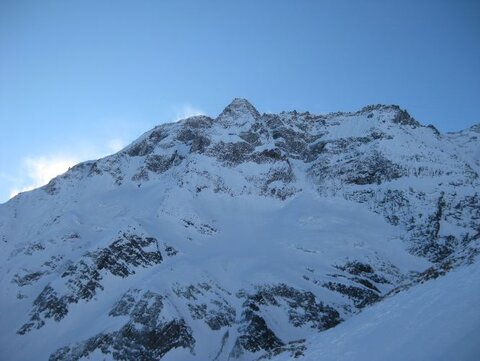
x=36 y=171
x=115 y=145
x=187 y=111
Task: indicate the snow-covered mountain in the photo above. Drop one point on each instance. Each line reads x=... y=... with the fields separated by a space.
x=236 y=238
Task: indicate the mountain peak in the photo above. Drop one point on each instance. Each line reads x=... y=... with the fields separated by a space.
x=241 y=104
x=239 y=109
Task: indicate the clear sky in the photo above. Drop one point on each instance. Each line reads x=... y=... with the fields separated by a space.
x=80 y=79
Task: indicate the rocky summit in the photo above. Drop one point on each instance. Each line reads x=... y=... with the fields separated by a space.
x=239 y=237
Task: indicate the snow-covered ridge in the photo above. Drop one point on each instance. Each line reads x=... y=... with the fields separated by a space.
x=236 y=237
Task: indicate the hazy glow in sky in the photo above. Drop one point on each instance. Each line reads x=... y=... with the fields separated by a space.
x=79 y=76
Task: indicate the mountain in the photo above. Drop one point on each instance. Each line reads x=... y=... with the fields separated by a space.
x=236 y=238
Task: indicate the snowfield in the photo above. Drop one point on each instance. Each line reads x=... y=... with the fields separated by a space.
x=435 y=321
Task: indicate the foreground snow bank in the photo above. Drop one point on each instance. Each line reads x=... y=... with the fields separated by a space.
x=438 y=320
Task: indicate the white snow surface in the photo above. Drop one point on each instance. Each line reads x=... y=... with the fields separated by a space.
x=435 y=321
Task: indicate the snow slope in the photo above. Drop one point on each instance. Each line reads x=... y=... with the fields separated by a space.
x=434 y=321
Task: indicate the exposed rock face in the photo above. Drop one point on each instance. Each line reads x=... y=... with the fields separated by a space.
x=83 y=279
x=238 y=113
x=131 y=343
x=235 y=238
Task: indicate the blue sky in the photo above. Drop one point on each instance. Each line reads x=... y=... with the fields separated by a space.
x=80 y=79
